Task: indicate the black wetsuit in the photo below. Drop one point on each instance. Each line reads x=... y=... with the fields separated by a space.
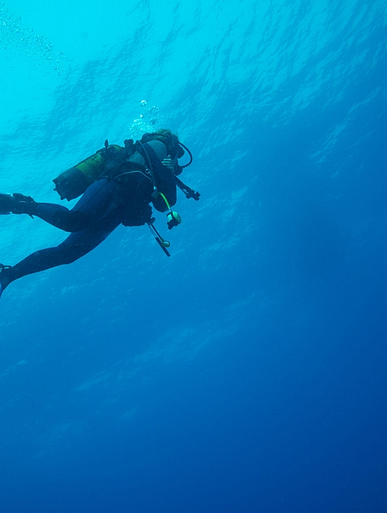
x=105 y=205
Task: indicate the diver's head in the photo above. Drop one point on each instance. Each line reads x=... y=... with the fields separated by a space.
x=174 y=147
x=170 y=140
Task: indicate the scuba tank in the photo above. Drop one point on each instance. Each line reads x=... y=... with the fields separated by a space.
x=72 y=183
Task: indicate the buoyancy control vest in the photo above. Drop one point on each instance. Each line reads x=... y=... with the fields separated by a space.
x=162 y=179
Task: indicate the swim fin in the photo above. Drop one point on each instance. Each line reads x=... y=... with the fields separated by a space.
x=16 y=204
x=4 y=282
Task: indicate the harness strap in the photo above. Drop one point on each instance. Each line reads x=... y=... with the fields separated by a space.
x=146 y=156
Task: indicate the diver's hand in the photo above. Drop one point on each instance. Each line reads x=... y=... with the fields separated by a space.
x=167 y=162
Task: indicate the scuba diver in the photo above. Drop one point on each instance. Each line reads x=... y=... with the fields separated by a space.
x=118 y=185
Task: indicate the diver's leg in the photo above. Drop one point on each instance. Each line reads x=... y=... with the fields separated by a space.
x=75 y=246
x=94 y=204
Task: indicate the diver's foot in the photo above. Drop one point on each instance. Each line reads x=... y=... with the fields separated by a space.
x=6 y=203
x=5 y=279
x=16 y=204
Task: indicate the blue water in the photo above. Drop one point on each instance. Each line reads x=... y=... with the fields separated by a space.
x=246 y=373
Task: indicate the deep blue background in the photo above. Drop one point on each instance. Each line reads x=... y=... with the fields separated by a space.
x=247 y=372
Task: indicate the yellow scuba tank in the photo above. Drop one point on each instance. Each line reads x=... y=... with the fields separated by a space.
x=72 y=183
